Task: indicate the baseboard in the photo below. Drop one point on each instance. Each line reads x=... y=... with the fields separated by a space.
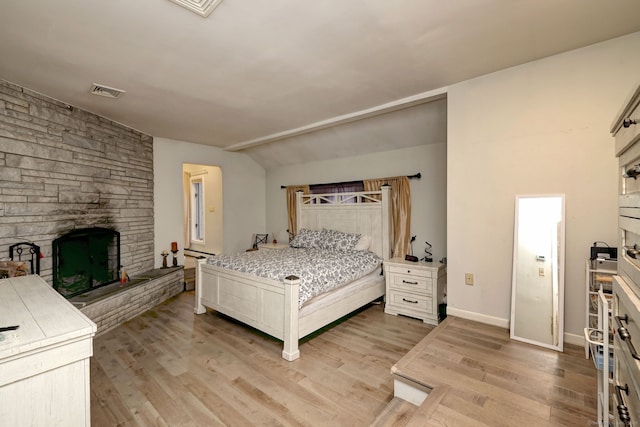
x=478 y=317
x=574 y=339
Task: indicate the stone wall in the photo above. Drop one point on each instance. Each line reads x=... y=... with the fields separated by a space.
x=117 y=308
x=63 y=168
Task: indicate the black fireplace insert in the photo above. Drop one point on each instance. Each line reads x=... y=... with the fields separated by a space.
x=85 y=259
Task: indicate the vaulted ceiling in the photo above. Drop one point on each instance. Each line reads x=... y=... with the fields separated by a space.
x=263 y=71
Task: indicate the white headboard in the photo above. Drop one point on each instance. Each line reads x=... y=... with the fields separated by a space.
x=366 y=213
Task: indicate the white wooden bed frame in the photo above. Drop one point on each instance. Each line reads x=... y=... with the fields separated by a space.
x=272 y=306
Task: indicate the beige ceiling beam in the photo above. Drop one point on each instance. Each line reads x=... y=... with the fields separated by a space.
x=410 y=101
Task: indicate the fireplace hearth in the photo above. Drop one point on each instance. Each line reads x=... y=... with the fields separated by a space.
x=85 y=259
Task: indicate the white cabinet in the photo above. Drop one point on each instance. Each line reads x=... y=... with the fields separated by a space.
x=414 y=288
x=626 y=286
x=44 y=364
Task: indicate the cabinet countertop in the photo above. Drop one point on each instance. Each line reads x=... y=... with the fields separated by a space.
x=44 y=317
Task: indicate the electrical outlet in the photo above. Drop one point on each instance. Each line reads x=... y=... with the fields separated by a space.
x=468 y=279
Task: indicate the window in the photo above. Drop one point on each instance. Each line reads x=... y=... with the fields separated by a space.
x=197 y=210
x=339 y=187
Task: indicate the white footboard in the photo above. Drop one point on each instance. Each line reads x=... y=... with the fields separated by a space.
x=267 y=305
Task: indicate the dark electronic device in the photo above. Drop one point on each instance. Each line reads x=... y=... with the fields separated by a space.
x=603 y=252
x=411 y=257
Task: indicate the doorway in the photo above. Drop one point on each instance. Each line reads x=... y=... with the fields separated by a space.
x=202 y=211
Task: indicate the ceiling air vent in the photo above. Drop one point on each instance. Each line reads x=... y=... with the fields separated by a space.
x=201 y=7
x=109 y=92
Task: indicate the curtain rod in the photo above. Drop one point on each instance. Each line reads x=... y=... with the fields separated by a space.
x=418 y=176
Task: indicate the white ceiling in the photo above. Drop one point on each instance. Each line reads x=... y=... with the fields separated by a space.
x=254 y=69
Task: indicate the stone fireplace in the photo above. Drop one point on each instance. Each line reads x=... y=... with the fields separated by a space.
x=63 y=168
x=85 y=259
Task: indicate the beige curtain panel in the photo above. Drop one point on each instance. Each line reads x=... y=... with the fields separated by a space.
x=291 y=205
x=400 y=211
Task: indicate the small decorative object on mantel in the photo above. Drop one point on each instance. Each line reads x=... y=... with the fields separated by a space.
x=174 y=249
x=124 y=277
x=164 y=254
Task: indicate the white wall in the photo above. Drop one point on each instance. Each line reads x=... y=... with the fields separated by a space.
x=428 y=194
x=542 y=127
x=242 y=186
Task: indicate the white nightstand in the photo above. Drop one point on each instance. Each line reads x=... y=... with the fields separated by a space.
x=414 y=288
x=273 y=245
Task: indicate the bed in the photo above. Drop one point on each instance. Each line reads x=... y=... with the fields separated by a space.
x=272 y=306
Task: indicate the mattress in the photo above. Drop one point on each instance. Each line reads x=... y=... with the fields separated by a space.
x=319 y=270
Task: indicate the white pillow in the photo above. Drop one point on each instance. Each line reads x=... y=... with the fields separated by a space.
x=363 y=243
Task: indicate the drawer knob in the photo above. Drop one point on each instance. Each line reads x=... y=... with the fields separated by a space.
x=628 y=122
x=632 y=172
x=626 y=336
x=623 y=409
x=632 y=251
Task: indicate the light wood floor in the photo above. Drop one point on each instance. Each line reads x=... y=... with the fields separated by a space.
x=480 y=377
x=169 y=367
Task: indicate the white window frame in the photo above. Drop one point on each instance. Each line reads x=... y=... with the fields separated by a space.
x=196 y=208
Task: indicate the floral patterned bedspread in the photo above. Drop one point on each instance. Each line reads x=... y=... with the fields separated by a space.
x=319 y=270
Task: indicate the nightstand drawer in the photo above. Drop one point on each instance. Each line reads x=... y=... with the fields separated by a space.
x=412 y=283
x=417 y=272
x=418 y=303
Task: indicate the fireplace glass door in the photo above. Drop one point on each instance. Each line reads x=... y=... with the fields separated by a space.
x=85 y=259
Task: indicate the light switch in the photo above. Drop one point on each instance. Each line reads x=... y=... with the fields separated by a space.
x=540 y=271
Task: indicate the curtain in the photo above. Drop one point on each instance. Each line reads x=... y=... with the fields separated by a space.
x=400 y=211
x=186 y=217
x=291 y=205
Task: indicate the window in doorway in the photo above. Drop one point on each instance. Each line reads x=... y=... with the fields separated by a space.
x=197 y=210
